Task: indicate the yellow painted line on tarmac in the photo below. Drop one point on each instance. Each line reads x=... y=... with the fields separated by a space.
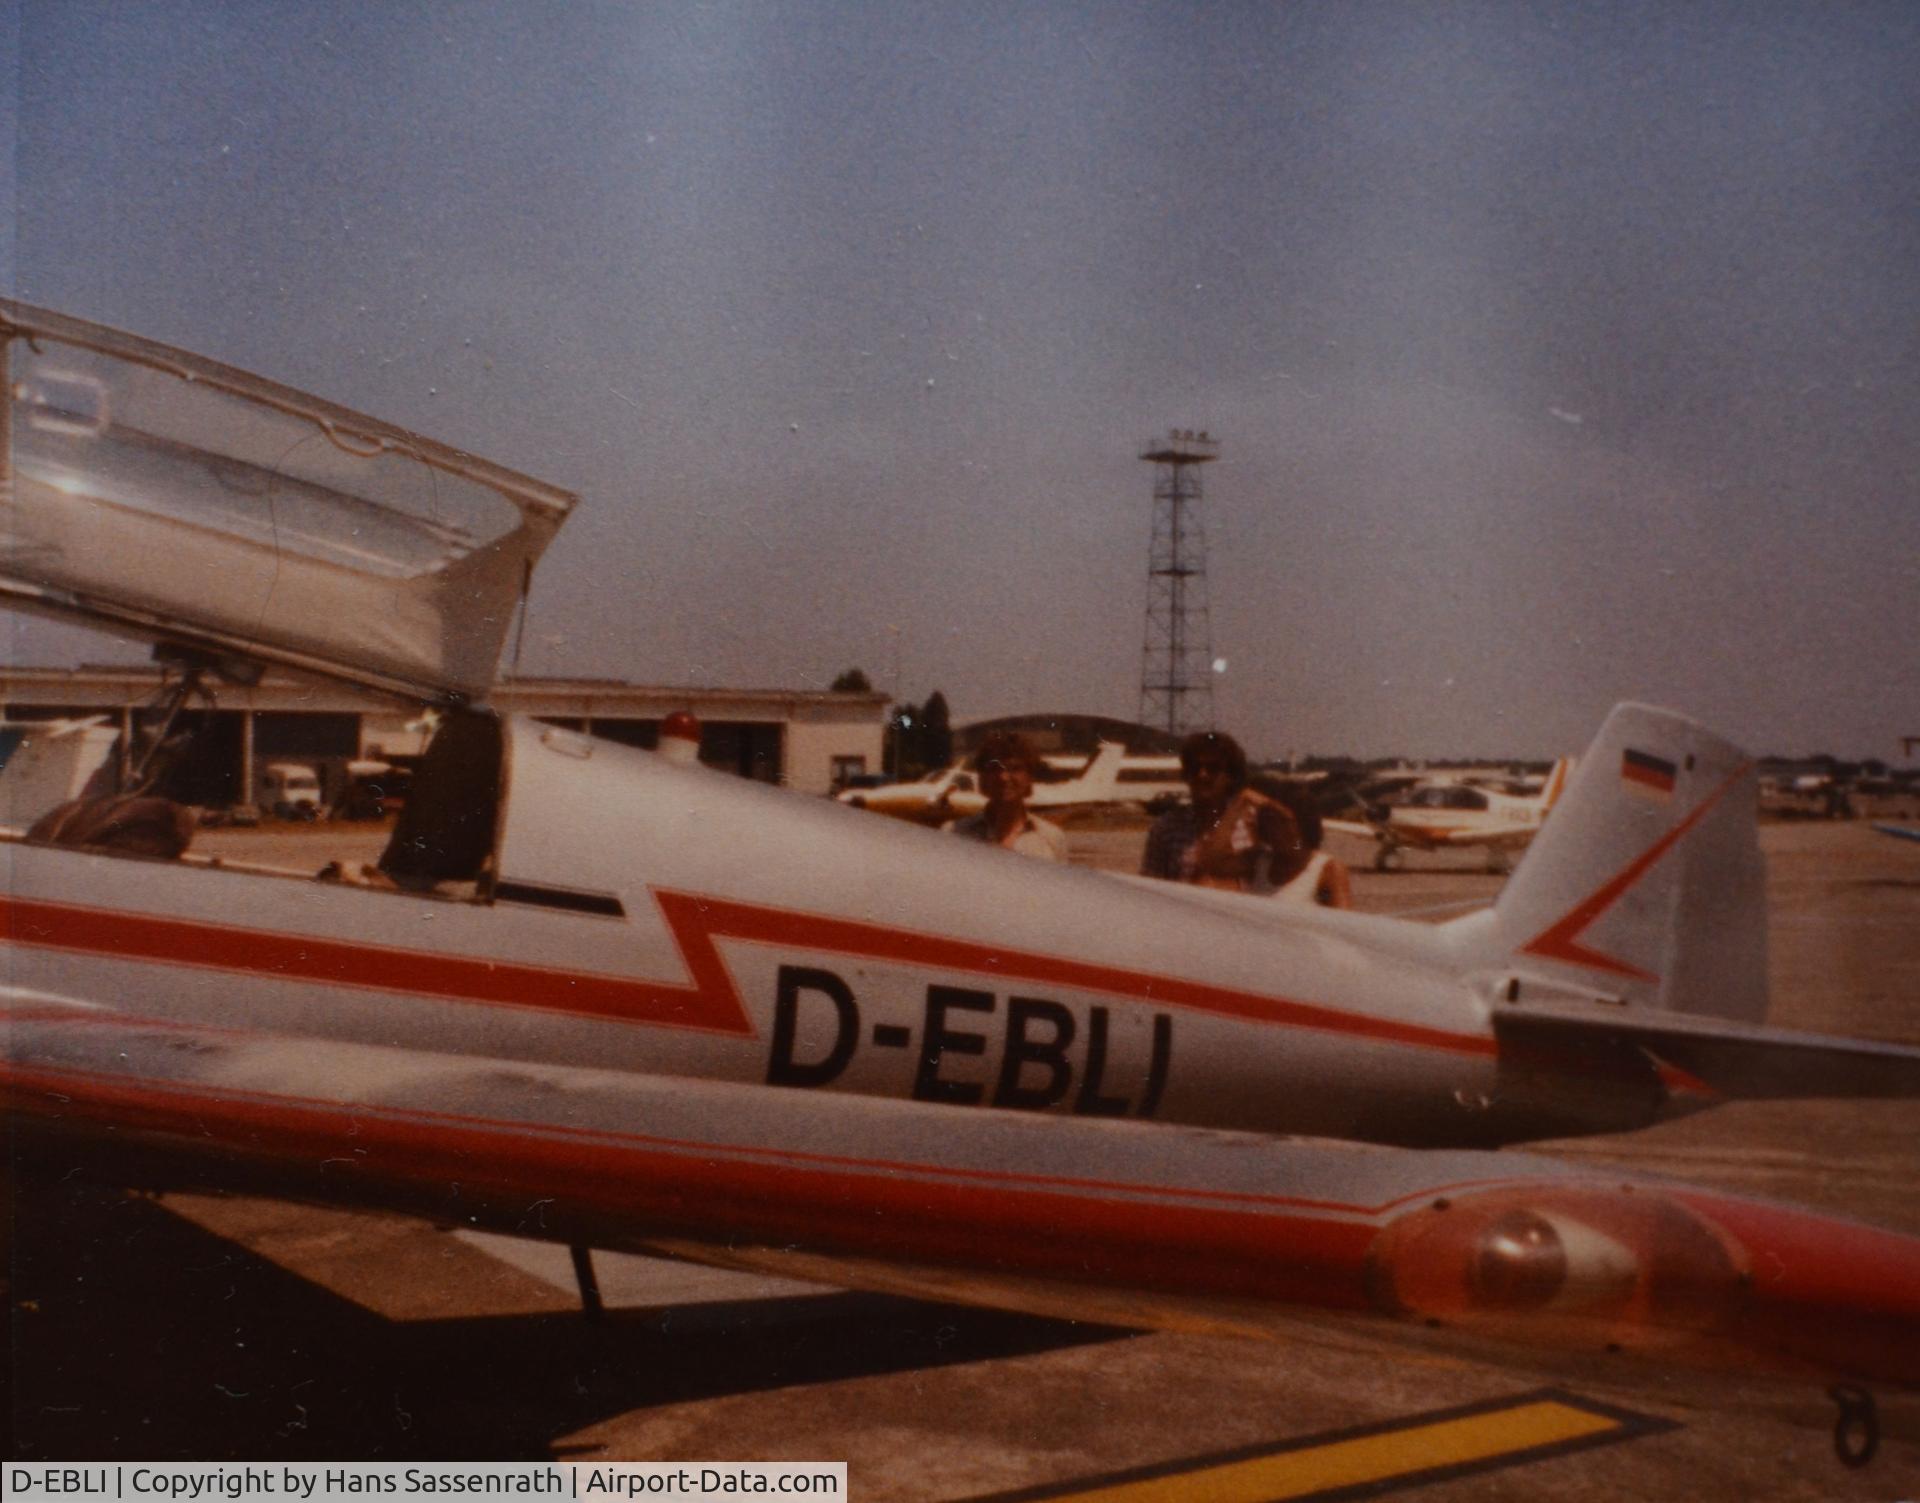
x=1346 y=1463
x=1374 y=1459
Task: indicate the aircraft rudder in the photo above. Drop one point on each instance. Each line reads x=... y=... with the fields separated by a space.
x=1646 y=884
x=1101 y=779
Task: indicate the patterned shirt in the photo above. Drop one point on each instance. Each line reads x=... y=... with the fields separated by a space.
x=1228 y=852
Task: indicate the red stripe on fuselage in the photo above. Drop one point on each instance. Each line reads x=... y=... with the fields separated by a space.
x=698 y=920
x=710 y=1003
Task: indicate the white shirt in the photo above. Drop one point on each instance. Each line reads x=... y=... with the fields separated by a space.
x=1304 y=885
x=1037 y=837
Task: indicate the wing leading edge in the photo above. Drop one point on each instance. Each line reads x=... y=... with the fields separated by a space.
x=1519 y=1251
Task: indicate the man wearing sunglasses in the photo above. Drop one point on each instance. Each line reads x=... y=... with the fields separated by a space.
x=1227 y=835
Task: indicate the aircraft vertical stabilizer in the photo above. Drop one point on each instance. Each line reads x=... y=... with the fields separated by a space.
x=1646 y=887
x=1099 y=780
x=1556 y=783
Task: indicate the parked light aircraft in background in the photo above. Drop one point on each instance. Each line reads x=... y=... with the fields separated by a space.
x=1150 y=780
x=1443 y=814
x=658 y=1009
x=1901 y=832
x=954 y=792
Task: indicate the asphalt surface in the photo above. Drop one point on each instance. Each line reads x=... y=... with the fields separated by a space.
x=193 y=1327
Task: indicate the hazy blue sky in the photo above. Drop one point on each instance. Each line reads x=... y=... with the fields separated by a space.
x=1562 y=352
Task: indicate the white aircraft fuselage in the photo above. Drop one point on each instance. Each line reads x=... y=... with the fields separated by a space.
x=660 y=919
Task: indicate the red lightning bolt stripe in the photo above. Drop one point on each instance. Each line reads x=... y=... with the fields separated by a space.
x=1561 y=939
x=710 y=1002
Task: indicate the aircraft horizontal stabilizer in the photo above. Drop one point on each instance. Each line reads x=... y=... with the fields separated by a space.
x=1747 y=1061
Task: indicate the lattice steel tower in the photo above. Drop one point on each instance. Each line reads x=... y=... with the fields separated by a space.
x=1176 y=662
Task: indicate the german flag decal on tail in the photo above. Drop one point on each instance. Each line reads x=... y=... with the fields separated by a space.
x=1648 y=776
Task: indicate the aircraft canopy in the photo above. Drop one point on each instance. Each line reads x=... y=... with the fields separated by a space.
x=154 y=493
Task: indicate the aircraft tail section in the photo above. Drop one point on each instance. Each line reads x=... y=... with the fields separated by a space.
x=1646 y=886
x=1096 y=783
x=1100 y=783
x=1637 y=923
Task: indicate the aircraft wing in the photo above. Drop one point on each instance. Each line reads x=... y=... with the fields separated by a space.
x=1898 y=832
x=1747 y=1061
x=1525 y=1253
x=1352 y=827
x=1491 y=835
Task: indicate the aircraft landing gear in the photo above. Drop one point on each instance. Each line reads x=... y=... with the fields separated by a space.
x=1856 y=1433
x=591 y=1305
x=1389 y=858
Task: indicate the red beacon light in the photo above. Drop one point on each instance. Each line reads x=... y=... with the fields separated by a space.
x=680 y=738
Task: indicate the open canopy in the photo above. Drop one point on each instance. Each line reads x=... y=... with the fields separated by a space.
x=152 y=492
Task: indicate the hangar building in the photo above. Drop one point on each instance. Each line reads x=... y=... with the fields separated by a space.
x=1059 y=731
x=807 y=741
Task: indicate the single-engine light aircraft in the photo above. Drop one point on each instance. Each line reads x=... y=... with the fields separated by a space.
x=954 y=792
x=1445 y=814
x=659 y=1009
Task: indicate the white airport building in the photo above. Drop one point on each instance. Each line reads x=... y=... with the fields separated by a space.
x=805 y=740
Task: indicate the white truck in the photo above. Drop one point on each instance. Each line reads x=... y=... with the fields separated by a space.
x=290 y=790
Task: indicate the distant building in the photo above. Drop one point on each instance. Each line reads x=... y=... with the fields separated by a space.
x=805 y=740
x=1065 y=733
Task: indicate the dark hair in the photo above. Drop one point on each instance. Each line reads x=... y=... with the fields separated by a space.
x=997 y=748
x=1301 y=804
x=1223 y=746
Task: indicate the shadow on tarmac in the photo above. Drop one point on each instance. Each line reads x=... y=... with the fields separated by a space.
x=136 y=1335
